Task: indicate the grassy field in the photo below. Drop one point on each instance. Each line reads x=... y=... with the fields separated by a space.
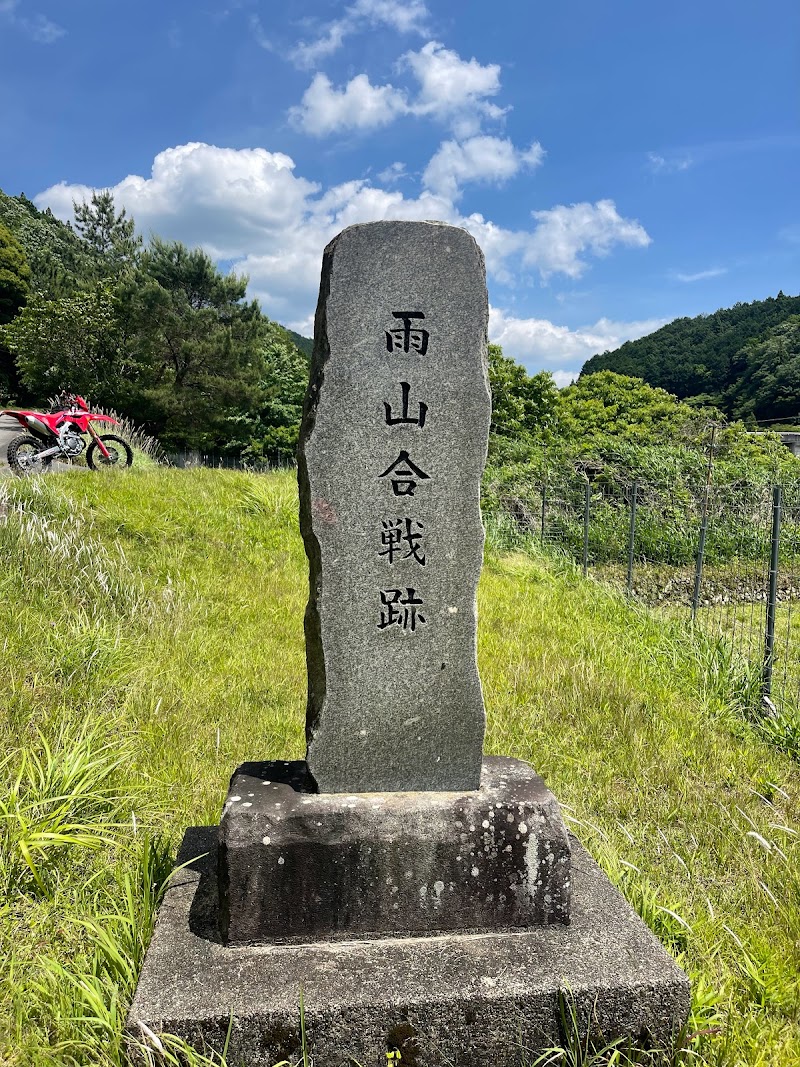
x=152 y=629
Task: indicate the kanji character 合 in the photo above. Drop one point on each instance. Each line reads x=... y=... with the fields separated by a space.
x=404 y=472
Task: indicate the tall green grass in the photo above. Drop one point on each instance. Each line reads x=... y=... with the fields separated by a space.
x=152 y=639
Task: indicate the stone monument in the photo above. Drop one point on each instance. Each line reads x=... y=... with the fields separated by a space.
x=391 y=455
x=426 y=900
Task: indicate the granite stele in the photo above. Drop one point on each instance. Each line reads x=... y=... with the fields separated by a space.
x=427 y=900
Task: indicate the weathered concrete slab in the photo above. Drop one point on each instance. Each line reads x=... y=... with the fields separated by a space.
x=463 y=1000
x=296 y=864
x=392 y=448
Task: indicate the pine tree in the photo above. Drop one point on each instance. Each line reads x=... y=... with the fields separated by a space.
x=110 y=235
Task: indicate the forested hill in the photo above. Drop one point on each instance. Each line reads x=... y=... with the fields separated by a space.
x=305 y=344
x=744 y=359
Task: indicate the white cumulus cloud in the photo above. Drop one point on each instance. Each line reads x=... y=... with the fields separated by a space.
x=225 y=199
x=566 y=232
x=540 y=343
x=450 y=90
x=478 y=159
x=453 y=90
x=249 y=207
x=393 y=173
x=406 y=18
x=359 y=106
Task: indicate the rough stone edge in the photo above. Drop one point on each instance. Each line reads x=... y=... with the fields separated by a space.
x=321 y=352
x=486 y=1026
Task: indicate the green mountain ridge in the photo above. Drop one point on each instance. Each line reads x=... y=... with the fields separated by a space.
x=305 y=344
x=745 y=360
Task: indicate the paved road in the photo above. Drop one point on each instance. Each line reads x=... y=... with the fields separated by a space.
x=8 y=428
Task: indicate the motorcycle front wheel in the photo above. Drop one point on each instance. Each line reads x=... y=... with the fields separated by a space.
x=23 y=455
x=119 y=453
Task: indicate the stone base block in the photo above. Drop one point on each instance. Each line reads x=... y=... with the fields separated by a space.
x=305 y=865
x=451 y=1000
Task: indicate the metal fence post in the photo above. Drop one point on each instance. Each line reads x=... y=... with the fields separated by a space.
x=586 y=505
x=632 y=534
x=544 y=508
x=701 y=548
x=772 y=597
x=701 y=551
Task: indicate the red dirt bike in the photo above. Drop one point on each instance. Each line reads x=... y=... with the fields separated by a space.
x=60 y=434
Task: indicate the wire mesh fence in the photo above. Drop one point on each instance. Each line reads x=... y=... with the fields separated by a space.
x=725 y=556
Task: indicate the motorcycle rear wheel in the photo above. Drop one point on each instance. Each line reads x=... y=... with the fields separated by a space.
x=22 y=454
x=119 y=453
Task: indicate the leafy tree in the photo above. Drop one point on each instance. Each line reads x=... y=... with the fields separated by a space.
x=269 y=430
x=60 y=262
x=191 y=344
x=15 y=275
x=109 y=234
x=282 y=390
x=522 y=404
x=68 y=343
x=161 y=335
x=613 y=429
x=613 y=405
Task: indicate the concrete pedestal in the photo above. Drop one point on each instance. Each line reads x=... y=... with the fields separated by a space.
x=295 y=864
x=461 y=1000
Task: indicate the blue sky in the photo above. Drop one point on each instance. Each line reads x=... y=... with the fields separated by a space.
x=620 y=163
